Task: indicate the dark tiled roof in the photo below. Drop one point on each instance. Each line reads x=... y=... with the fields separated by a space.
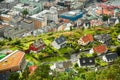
x=4 y=76
x=60 y=40
x=103 y=37
x=87 y=61
x=112 y=20
x=111 y=56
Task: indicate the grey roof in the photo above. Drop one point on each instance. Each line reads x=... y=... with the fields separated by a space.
x=87 y=61
x=103 y=37
x=86 y=21
x=112 y=20
x=4 y=11
x=111 y=56
x=65 y=64
x=38 y=43
x=60 y=40
x=4 y=76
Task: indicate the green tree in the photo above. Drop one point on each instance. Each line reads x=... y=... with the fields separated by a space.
x=71 y=28
x=2 y=43
x=42 y=72
x=117 y=28
x=118 y=50
x=105 y=17
x=90 y=76
x=14 y=76
x=25 y=12
x=25 y=74
x=110 y=73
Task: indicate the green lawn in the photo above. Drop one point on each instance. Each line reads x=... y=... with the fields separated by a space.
x=47 y=42
x=71 y=36
x=31 y=59
x=88 y=31
x=102 y=63
x=54 y=59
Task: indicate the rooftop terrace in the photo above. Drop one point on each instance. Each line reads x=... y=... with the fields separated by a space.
x=12 y=60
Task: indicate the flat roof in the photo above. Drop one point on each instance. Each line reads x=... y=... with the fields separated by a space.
x=72 y=13
x=41 y=15
x=4 y=25
x=113 y=2
x=1 y=26
x=11 y=60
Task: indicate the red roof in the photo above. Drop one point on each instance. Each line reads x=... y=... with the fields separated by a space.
x=63 y=20
x=87 y=38
x=100 y=49
x=90 y=37
x=104 y=0
x=105 y=11
x=96 y=22
x=33 y=48
x=32 y=68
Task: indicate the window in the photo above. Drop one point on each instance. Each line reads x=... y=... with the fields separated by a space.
x=83 y=61
x=90 y=61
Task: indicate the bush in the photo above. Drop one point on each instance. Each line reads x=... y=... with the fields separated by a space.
x=105 y=17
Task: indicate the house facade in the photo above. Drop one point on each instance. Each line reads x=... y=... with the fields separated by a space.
x=118 y=38
x=2 y=28
x=110 y=57
x=37 y=46
x=62 y=66
x=99 y=49
x=103 y=38
x=86 y=24
x=19 y=28
x=59 y=42
x=85 y=39
x=113 y=21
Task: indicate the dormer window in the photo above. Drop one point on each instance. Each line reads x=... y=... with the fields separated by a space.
x=90 y=61
x=83 y=61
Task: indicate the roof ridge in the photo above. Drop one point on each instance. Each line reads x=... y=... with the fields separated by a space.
x=9 y=55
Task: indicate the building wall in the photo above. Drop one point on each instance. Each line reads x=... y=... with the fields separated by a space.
x=38 y=4
x=55 y=45
x=39 y=24
x=72 y=18
x=16 y=68
x=91 y=51
x=2 y=31
x=105 y=59
x=23 y=63
x=52 y=16
x=8 y=5
x=18 y=30
x=6 y=19
x=63 y=44
x=79 y=63
x=81 y=42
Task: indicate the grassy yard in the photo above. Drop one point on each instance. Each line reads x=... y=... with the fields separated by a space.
x=32 y=59
x=54 y=59
x=102 y=63
x=47 y=42
x=88 y=31
x=71 y=36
